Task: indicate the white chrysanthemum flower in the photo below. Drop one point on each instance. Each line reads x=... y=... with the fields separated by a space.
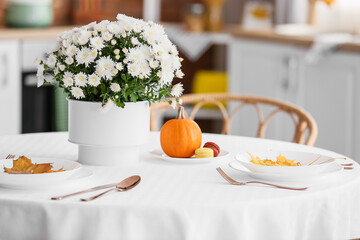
x=134 y=69
x=173 y=50
x=95 y=33
x=150 y=41
x=176 y=64
x=56 y=71
x=77 y=92
x=148 y=32
x=158 y=50
x=137 y=27
x=80 y=79
x=94 y=80
x=145 y=69
x=134 y=41
x=125 y=50
x=105 y=66
x=69 y=60
x=40 y=75
x=93 y=55
x=115 y=71
x=90 y=26
x=106 y=36
x=166 y=61
x=179 y=74
x=138 y=55
x=107 y=106
x=166 y=77
x=66 y=35
x=51 y=60
x=154 y=63
x=177 y=90
x=86 y=56
x=117 y=57
x=102 y=26
x=119 y=66
x=173 y=104
x=97 y=43
x=166 y=44
x=115 y=87
x=113 y=42
x=71 y=50
x=113 y=28
x=158 y=32
x=180 y=101
x=40 y=70
x=40 y=81
x=84 y=37
x=61 y=67
x=68 y=79
x=66 y=43
x=123 y=18
x=123 y=35
x=134 y=55
x=74 y=37
x=127 y=27
x=117 y=51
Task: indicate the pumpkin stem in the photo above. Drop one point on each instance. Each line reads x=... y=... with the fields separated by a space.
x=181 y=113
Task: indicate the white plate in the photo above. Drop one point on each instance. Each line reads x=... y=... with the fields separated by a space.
x=333 y=168
x=158 y=153
x=304 y=158
x=69 y=166
x=75 y=178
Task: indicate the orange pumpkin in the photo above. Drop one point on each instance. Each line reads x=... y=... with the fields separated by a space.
x=180 y=137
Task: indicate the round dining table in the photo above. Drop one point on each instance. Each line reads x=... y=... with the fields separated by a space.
x=176 y=199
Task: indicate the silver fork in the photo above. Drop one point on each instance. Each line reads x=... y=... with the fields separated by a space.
x=10 y=156
x=233 y=182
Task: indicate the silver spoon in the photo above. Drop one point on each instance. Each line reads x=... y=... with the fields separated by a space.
x=124 y=185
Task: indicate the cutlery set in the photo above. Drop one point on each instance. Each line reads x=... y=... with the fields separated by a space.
x=124 y=185
x=131 y=182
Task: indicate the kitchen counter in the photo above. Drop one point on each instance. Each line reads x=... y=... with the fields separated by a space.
x=238 y=32
x=32 y=33
x=272 y=36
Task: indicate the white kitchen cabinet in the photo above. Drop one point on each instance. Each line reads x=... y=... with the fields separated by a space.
x=10 y=87
x=328 y=90
x=265 y=70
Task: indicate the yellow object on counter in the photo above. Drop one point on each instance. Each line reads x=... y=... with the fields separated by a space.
x=204 y=153
x=206 y=81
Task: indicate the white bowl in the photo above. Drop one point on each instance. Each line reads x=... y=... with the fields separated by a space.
x=304 y=158
x=69 y=166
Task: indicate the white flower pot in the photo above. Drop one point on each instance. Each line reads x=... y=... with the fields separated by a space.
x=114 y=137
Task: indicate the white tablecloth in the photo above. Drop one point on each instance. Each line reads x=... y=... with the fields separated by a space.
x=178 y=201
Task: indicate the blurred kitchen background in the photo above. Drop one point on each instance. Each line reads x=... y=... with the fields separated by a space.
x=303 y=51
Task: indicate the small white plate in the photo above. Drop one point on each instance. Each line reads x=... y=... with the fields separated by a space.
x=69 y=166
x=75 y=178
x=158 y=153
x=304 y=158
x=333 y=168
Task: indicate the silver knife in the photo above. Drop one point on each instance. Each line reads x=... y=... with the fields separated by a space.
x=85 y=191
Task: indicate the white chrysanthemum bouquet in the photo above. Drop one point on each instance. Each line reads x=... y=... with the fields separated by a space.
x=128 y=60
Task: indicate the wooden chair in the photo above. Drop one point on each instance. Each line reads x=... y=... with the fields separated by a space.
x=305 y=126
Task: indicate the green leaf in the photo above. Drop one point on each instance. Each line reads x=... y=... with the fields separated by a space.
x=133 y=97
x=123 y=76
x=103 y=88
x=120 y=104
